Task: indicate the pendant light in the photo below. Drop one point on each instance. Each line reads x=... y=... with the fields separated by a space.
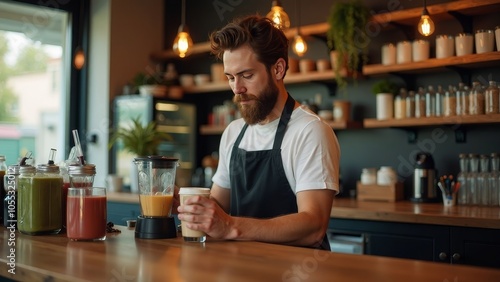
x=278 y=16
x=183 y=42
x=299 y=45
x=425 y=25
x=79 y=59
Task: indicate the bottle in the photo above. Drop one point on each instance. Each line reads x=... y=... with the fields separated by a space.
x=40 y=199
x=494 y=180
x=492 y=98
x=462 y=95
x=450 y=102
x=430 y=102
x=462 y=179
x=10 y=200
x=473 y=197
x=440 y=94
x=368 y=176
x=3 y=171
x=420 y=103
x=410 y=104
x=476 y=99
x=482 y=180
x=399 y=107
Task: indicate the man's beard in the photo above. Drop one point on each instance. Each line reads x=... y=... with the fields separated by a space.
x=263 y=105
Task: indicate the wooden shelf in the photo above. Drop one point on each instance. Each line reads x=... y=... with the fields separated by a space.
x=431 y=121
x=218 y=129
x=489 y=59
x=290 y=78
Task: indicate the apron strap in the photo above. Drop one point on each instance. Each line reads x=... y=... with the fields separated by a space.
x=285 y=118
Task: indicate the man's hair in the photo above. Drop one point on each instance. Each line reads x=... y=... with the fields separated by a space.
x=266 y=40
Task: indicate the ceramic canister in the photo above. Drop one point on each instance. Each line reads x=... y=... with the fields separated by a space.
x=445 y=46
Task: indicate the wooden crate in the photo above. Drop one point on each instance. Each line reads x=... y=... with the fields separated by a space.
x=384 y=193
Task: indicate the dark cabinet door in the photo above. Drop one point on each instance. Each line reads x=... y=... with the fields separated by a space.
x=475 y=246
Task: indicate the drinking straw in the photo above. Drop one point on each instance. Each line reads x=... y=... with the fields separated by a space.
x=79 y=152
x=52 y=156
x=23 y=160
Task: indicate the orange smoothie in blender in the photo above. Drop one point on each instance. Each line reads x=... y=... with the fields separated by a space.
x=156 y=205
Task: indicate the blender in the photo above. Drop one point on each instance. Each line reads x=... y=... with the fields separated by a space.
x=156 y=178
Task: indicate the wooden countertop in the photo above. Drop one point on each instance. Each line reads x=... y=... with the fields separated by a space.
x=121 y=257
x=408 y=212
x=403 y=211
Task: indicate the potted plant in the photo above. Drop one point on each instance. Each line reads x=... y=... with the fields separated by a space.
x=346 y=37
x=385 y=91
x=141 y=140
x=149 y=84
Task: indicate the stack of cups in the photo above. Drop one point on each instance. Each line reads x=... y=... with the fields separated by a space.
x=485 y=40
x=464 y=44
x=444 y=46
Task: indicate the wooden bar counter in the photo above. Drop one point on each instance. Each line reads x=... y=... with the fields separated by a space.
x=121 y=257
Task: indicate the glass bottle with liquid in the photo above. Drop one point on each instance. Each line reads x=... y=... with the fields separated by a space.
x=463 y=191
x=476 y=99
x=482 y=180
x=440 y=94
x=410 y=104
x=400 y=104
x=450 y=102
x=472 y=187
x=462 y=95
x=420 y=103
x=492 y=96
x=494 y=180
x=430 y=102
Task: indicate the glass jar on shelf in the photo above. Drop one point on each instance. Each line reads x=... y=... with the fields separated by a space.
x=450 y=102
x=462 y=95
x=410 y=104
x=476 y=99
x=420 y=103
x=492 y=98
x=430 y=102
x=463 y=191
x=494 y=180
x=472 y=189
x=482 y=180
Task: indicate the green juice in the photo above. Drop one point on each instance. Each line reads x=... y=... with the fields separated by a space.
x=39 y=204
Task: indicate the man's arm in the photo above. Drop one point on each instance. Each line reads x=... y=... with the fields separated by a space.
x=304 y=228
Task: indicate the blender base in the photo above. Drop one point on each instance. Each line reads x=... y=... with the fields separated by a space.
x=155 y=228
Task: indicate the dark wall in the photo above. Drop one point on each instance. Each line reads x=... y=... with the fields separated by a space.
x=362 y=147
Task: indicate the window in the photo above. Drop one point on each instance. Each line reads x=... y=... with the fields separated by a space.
x=34 y=95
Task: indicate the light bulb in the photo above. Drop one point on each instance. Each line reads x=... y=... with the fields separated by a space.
x=79 y=60
x=299 y=45
x=279 y=16
x=182 y=43
x=425 y=25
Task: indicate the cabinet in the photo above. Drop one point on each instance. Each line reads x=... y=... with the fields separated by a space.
x=449 y=244
x=462 y=11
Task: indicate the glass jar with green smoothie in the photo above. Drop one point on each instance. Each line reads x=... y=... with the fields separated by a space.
x=40 y=200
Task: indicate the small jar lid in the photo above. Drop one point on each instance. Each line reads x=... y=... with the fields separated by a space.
x=50 y=168
x=27 y=169
x=86 y=169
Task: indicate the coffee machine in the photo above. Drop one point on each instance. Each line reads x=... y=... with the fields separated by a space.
x=424 y=179
x=156 y=179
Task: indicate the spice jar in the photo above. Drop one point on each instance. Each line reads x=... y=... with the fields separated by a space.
x=492 y=98
x=420 y=103
x=462 y=95
x=410 y=104
x=450 y=103
x=368 y=176
x=386 y=176
x=39 y=202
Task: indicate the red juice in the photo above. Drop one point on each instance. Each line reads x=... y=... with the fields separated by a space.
x=86 y=218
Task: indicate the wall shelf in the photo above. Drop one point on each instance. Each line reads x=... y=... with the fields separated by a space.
x=337 y=125
x=431 y=121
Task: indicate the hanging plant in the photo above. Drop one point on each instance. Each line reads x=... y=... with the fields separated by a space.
x=347 y=36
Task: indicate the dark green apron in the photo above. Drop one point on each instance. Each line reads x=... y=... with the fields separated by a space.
x=259 y=187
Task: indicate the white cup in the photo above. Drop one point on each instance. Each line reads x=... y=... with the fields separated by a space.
x=464 y=44
x=420 y=50
x=497 y=37
x=404 y=53
x=114 y=183
x=385 y=106
x=388 y=54
x=485 y=40
x=190 y=235
x=445 y=46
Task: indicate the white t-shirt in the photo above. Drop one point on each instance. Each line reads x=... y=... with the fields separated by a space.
x=310 y=151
